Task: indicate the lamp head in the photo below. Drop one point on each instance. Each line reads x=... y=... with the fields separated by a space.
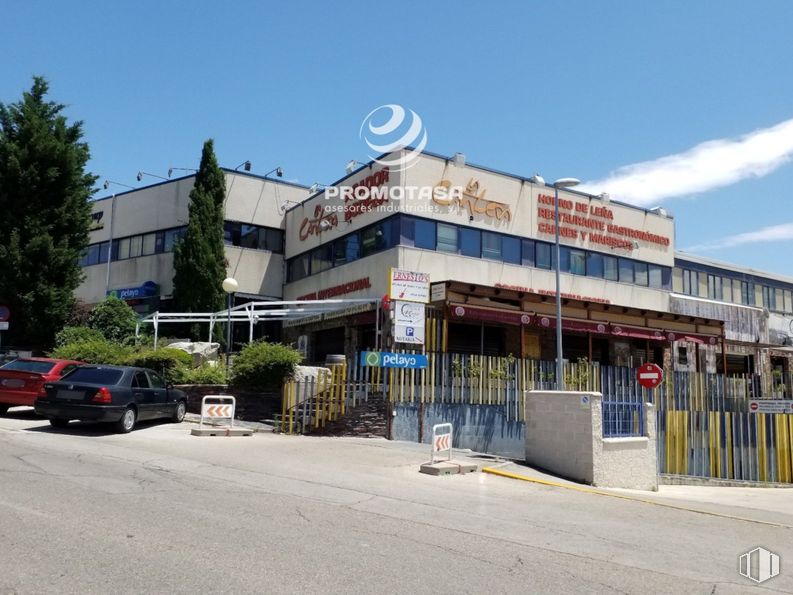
x=566 y=182
x=247 y=166
x=279 y=172
x=230 y=285
x=314 y=187
x=537 y=179
x=459 y=160
x=170 y=171
x=106 y=185
x=350 y=167
x=139 y=176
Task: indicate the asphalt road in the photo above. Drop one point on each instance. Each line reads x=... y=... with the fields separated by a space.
x=160 y=511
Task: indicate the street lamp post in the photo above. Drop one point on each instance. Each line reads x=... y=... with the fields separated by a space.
x=230 y=285
x=560 y=183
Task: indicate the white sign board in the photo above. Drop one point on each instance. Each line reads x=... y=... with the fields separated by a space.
x=409 y=286
x=771 y=406
x=438 y=292
x=3 y=326
x=409 y=322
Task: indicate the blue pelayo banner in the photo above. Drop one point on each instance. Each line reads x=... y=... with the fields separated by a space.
x=384 y=359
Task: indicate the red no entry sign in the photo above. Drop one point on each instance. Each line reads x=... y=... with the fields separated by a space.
x=649 y=375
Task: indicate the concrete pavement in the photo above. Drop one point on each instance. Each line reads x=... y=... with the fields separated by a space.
x=159 y=511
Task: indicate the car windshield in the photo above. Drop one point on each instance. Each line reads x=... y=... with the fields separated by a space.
x=26 y=365
x=94 y=376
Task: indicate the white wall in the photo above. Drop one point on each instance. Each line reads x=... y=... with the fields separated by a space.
x=565 y=437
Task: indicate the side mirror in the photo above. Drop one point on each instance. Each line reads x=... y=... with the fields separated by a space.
x=169 y=386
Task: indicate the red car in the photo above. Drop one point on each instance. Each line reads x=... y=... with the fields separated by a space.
x=21 y=380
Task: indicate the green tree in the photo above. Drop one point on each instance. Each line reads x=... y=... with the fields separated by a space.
x=44 y=194
x=199 y=258
x=114 y=319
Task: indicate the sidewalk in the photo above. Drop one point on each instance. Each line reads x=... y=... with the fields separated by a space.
x=765 y=505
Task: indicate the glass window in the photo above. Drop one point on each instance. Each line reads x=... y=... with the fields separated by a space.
x=149 y=243
x=231 y=233
x=690 y=282
x=666 y=278
x=103 y=251
x=594 y=265
x=788 y=301
x=610 y=268
x=123 y=248
x=527 y=253
x=578 y=262
x=171 y=236
x=92 y=255
x=301 y=267
x=626 y=270
x=564 y=258
x=510 y=249
x=656 y=277
x=447 y=238
x=747 y=293
x=155 y=380
x=641 y=276
x=407 y=231
x=249 y=236
x=376 y=238
x=769 y=297
x=139 y=380
x=425 y=234
x=543 y=255
x=274 y=240
x=322 y=258
x=135 y=246
x=470 y=242
x=714 y=287
x=726 y=285
x=491 y=245
x=26 y=365
x=94 y=375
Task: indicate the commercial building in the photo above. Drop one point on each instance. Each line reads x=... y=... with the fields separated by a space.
x=485 y=238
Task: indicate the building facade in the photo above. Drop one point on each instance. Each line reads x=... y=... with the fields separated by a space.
x=486 y=240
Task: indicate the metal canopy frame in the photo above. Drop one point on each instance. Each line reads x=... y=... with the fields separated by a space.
x=295 y=312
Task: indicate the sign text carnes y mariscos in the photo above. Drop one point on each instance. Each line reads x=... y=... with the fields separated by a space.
x=591 y=222
x=471 y=198
x=342 y=289
x=361 y=196
x=571 y=296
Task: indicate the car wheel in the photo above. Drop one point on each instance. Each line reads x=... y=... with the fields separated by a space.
x=127 y=421
x=57 y=422
x=179 y=412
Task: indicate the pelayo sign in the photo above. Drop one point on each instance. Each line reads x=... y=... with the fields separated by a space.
x=384 y=359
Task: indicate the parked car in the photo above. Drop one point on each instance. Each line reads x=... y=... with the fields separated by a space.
x=122 y=395
x=22 y=379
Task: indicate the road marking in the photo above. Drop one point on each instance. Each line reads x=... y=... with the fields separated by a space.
x=587 y=490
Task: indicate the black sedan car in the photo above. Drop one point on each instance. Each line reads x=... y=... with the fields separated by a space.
x=121 y=395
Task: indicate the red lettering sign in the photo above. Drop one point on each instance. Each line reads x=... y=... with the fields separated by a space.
x=343 y=289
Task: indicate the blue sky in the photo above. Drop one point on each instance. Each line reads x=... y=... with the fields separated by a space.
x=582 y=89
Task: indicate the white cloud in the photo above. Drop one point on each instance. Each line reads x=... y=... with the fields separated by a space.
x=773 y=233
x=709 y=165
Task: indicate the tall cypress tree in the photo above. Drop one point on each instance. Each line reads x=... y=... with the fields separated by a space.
x=199 y=258
x=44 y=194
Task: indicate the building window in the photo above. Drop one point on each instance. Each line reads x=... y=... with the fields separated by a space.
x=322 y=258
x=149 y=244
x=470 y=242
x=510 y=250
x=610 y=268
x=347 y=249
x=626 y=270
x=747 y=293
x=641 y=275
x=491 y=245
x=249 y=236
x=447 y=238
x=172 y=236
x=376 y=238
x=425 y=234
x=594 y=265
x=690 y=282
x=123 y=248
x=715 y=288
x=543 y=255
x=656 y=276
x=769 y=297
x=527 y=253
x=578 y=262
